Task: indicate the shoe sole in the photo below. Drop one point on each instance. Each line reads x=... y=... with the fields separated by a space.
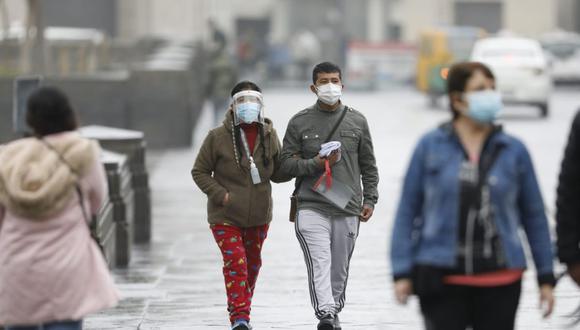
x=326 y=327
x=241 y=327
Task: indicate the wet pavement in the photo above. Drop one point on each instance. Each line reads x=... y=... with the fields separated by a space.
x=176 y=281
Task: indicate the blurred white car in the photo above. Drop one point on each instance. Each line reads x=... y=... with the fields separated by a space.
x=563 y=51
x=520 y=68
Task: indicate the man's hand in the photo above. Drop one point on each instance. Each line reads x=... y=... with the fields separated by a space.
x=226 y=199
x=547 y=300
x=403 y=289
x=332 y=159
x=367 y=213
x=574 y=271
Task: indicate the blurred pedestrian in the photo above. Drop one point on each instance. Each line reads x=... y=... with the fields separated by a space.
x=306 y=51
x=222 y=74
x=234 y=168
x=468 y=190
x=52 y=274
x=328 y=148
x=218 y=36
x=568 y=204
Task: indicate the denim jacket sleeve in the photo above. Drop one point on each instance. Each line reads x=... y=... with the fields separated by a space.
x=409 y=210
x=534 y=220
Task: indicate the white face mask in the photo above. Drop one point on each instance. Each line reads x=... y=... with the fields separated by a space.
x=329 y=93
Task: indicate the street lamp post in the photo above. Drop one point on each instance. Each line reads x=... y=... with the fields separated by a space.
x=33 y=50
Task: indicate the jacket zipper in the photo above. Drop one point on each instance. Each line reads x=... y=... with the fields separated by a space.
x=472 y=216
x=250 y=203
x=257 y=144
x=252 y=185
x=485 y=218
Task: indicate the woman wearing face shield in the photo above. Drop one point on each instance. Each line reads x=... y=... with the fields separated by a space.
x=234 y=168
x=469 y=189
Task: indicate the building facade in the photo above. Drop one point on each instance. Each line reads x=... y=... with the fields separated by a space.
x=529 y=18
x=364 y=20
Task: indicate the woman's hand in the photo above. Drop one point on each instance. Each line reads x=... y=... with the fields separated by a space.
x=403 y=289
x=226 y=199
x=573 y=271
x=547 y=299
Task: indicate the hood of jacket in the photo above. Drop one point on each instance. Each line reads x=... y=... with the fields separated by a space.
x=35 y=182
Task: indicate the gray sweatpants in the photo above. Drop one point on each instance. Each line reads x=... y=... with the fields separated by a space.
x=327 y=243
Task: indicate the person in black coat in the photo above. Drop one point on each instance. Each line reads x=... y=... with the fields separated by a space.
x=568 y=204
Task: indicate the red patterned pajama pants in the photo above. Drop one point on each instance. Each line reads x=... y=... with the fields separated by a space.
x=241 y=250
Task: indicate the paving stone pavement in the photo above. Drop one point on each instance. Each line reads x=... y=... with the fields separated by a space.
x=176 y=282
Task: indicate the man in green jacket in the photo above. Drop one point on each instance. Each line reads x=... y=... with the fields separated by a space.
x=331 y=201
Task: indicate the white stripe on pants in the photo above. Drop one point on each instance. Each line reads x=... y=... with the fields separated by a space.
x=327 y=243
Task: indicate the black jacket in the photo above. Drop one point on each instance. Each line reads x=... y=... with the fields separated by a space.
x=568 y=201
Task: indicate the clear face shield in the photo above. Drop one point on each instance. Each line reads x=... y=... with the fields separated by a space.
x=248 y=107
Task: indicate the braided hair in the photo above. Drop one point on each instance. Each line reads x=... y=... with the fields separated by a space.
x=237 y=143
x=262 y=139
x=242 y=86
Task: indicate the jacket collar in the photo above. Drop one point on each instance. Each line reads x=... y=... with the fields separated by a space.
x=497 y=134
x=317 y=107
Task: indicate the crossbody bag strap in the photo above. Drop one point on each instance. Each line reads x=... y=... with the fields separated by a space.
x=299 y=181
x=78 y=189
x=486 y=164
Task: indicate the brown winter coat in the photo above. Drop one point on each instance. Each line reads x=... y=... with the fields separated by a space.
x=249 y=205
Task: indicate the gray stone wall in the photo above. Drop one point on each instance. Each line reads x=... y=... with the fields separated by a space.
x=163 y=104
x=101 y=14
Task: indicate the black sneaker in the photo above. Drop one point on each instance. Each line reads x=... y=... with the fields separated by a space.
x=337 y=323
x=326 y=323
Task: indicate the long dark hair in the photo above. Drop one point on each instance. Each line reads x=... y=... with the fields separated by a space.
x=245 y=86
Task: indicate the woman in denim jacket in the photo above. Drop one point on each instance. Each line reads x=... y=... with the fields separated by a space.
x=468 y=190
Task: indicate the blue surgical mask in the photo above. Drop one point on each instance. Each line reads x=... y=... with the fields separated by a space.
x=484 y=106
x=248 y=112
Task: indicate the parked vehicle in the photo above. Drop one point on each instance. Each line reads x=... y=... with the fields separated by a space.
x=563 y=51
x=521 y=69
x=439 y=48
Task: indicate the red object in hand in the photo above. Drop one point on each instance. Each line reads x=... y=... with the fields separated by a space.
x=327 y=173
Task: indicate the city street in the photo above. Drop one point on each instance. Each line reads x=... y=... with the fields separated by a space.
x=176 y=282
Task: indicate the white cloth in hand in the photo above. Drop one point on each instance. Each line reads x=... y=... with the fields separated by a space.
x=329 y=147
